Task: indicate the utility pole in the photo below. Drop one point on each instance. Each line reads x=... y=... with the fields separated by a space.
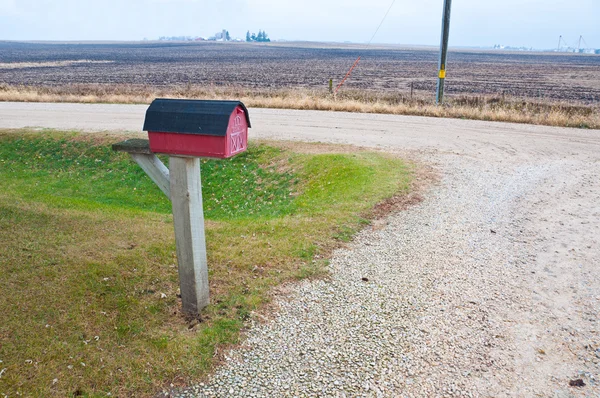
x=443 y=51
x=559 y=39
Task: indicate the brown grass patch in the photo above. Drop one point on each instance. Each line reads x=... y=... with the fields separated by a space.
x=490 y=108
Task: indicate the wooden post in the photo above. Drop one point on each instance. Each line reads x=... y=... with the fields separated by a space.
x=439 y=98
x=139 y=149
x=181 y=183
x=188 y=219
x=155 y=169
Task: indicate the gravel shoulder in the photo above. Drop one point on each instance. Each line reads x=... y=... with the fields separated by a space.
x=489 y=287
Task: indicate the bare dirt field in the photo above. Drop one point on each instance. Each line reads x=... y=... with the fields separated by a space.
x=546 y=76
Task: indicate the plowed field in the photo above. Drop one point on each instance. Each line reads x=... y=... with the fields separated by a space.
x=549 y=76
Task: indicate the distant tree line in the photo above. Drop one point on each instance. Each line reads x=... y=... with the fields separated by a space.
x=260 y=37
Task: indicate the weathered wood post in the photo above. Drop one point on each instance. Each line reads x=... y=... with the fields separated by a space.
x=187 y=130
x=139 y=149
x=439 y=97
x=188 y=220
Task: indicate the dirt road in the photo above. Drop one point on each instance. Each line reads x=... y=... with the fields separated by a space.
x=490 y=287
x=387 y=131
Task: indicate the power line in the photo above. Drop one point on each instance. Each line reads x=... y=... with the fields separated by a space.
x=372 y=37
x=381 y=23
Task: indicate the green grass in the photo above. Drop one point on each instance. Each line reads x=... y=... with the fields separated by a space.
x=88 y=275
x=72 y=171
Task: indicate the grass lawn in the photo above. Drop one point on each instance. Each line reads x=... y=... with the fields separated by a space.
x=88 y=272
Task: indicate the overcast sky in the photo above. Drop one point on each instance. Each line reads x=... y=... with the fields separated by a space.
x=530 y=23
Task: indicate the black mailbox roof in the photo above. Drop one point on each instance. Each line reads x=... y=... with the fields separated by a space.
x=191 y=116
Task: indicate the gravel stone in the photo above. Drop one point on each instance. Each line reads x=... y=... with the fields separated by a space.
x=450 y=309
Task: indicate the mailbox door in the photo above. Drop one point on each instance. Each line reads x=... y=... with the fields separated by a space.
x=194 y=145
x=237 y=133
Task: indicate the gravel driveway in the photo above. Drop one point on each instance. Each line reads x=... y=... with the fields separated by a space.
x=488 y=288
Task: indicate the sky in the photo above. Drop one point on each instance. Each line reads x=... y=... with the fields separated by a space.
x=476 y=23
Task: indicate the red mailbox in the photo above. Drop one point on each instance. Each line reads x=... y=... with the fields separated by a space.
x=197 y=128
